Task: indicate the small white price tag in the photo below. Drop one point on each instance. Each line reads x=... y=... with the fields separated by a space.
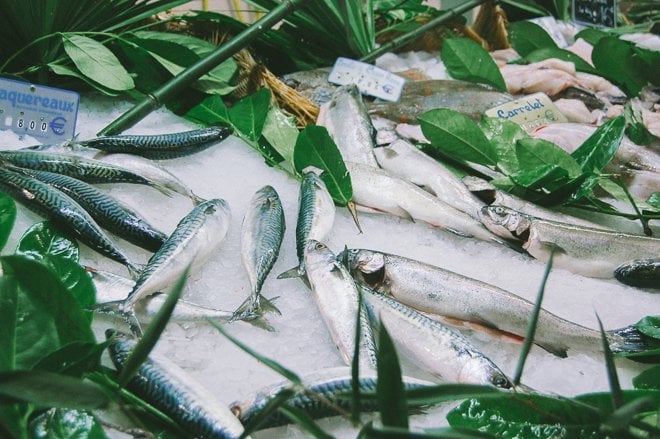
x=370 y=80
x=36 y=110
x=529 y=112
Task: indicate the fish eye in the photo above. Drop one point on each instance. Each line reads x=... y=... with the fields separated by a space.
x=319 y=246
x=502 y=382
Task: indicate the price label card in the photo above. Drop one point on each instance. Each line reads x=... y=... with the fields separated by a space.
x=36 y=110
x=595 y=12
x=529 y=112
x=370 y=80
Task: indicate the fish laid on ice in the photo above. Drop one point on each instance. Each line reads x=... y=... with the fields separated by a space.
x=164 y=385
x=582 y=250
x=261 y=238
x=337 y=298
x=313 y=84
x=58 y=207
x=434 y=290
x=643 y=273
x=346 y=119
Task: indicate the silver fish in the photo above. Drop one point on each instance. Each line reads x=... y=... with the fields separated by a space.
x=193 y=241
x=313 y=84
x=434 y=290
x=337 y=297
x=581 y=250
x=170 y=389
x=261 y=238
x=346 y=119
x=440 y=350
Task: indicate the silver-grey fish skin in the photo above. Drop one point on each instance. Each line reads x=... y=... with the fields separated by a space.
x=337 y=298
x=262 y=232
x=107 y=211
x=433 y=346
x=61 y=209
x=169 y=388
x=434 y=290
x=589 y=252
x=346 y=119
x=192 y=242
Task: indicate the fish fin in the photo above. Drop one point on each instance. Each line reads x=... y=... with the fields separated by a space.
x=134 y=270
x=99 y=155
x=254 y=307
x=353 y=211
x=161 y=188
x=118 y=309
x=627 y=339
x=555 y=349
x=196 y=199
x=291 y=273
x=405 y=214
x=458 y=232
x=516 y=246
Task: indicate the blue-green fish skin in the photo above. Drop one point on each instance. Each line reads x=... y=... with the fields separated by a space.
x=194 y=239
x=107 y=211
x=161 y=146
x=167 y=387
x=642 y=273
x=62 y=210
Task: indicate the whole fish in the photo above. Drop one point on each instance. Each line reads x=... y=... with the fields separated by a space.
x=403 y=159
x=316 y=214
x=62 y=210
x=346 y=119
x=643 y=273
x=261 y=238
x=324 y=393
x=89 y=170
x=192 y=242
x=378 y=190
x=433 y=346
x=582 y=250
x=434 y=290
x=161 y=146
x=313 y=84
x=107 y=211
x=337 y=298
x=418 y=97
x=170 y=389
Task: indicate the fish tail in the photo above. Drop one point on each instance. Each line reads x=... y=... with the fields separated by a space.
x=291 y=273
x=196 y=199
x=134 y=270
x=161 y=188
x=254 y=307
x=118 y=309
x=627 y=339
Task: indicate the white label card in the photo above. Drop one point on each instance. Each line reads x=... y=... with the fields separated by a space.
x=370 y=80
x=529 y=112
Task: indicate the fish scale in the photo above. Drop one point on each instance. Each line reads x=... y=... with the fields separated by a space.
x=107 y=211
x=61 y=209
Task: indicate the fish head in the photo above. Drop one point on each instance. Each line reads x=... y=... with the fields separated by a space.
x=505 y=222
x=479 y=370
x=366 y=266
x=317 y=254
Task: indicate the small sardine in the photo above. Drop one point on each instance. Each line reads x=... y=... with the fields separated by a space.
x=581 y=250
x=161 y=146
x=170 y=389
x=261 y=239
x=337 y=297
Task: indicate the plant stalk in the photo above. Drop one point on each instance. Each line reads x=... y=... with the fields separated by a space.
x=410 y=36
x=173 y=87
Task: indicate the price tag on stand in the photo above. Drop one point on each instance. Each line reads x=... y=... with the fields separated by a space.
x=595 y=12
x=370 y=80
x=529 y=112
x=46 y=113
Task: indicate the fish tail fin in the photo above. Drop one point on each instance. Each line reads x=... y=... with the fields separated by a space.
x=253 y=309
x=134 y=270
x=196 y=199
x=627 y=339
x=161 y=188
x=118 y=309
x=353 y=211
x=268 y=305
x=291 y=273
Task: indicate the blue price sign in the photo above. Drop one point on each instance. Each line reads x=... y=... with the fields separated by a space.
x=43 y=112
x=595 y=12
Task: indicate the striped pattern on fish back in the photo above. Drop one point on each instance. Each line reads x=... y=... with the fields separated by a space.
x=306 y=202
x=269 y=238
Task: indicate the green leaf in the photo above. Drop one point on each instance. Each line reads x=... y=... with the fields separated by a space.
x=525 y=37
x=371 y=432
x=565 y=55
x=74 y=278
x=467 y=60
x=649 y=379
x=281 y=132
x=533 y=153
x=458 y=136
x=530 y=6
x=430 y=395
x=620 y=421
x=649 y=325
x=68 y=71
x=503 y=135
x=249 y=114
x=627 y=72
x=66 y=424
x=603 y=400
x=73 y=359
x=8 y=308
x=7 y=217
x=392 y=404
x=301 y=418
x=600 y=147
x=612 y=377
x=97 y=62
x=540 y=177
x=654 y=200
x=315 y=147
x=211 y=111
x=43 y=239
x=636 y=130
x=268 y=409
x=591 y=35
x=48 y=389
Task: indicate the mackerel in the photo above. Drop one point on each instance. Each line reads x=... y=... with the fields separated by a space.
x=346 y=119
x=62 y=210
x=166 y=386
x=440 y=350
x=643 y=273
x=193 y=241
x=261 y=238
x=338 y=299
x=581 y=250
x=434 y=290
x=107 y=211
x=161 y=146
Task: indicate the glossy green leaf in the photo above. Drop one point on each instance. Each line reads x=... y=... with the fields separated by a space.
x=48 y=389
x=392 y=404
x=43 y=239
x=457 y=136
x=627 y=72
x=612 y=376
x=467 y=60
x=7 y=217
x=621 y=420
x=600 y=147
x=565 y=55
x=73 y=359
x=635 y=129
x=540 y=177
x=654 y=200
x=591 y=35
x=526 y=37
x=503 y=135
x=530 y=6
x=603 y=400
x=281 y=132
x=74 y=278
x=8 y=308
x=62 y=70
x=648 y=379
x=12 y=420
x=249 y=114
x=449 y=392
x=269 y=409
x=66 y=424
x=533 y=153
x=383 y=432
x=211 y=111
x=97 y=62
x=649 y=325
x=315 y=147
